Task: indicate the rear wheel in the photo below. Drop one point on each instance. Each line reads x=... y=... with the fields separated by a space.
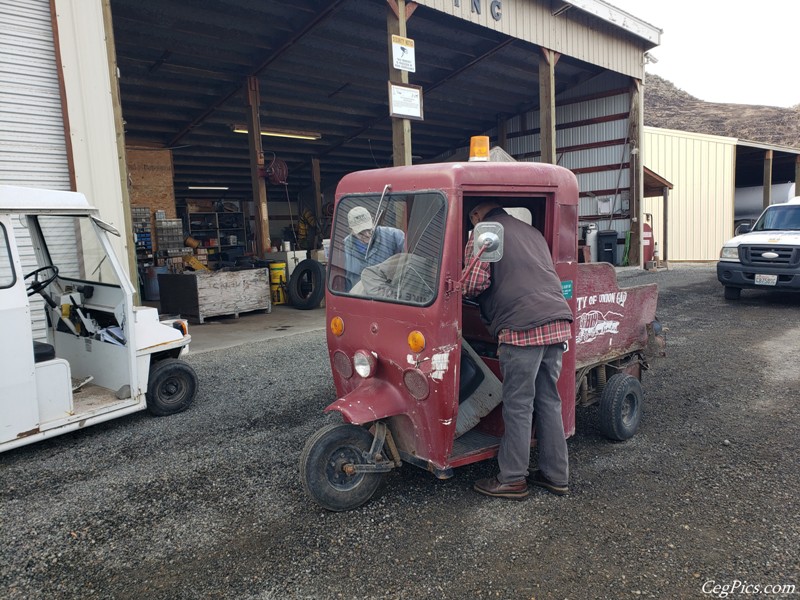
x=171 y=388
x=621 y=407
x=732 y=293
x=324 y=462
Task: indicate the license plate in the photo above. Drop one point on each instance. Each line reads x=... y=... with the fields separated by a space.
x=766 y=279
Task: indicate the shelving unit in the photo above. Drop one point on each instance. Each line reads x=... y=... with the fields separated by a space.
x=169 y=235
x=218 y=231
x=143 y=230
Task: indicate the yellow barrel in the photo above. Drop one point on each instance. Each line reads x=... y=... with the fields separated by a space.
x=277 y=282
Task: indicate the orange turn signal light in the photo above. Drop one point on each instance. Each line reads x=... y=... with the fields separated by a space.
x=416 y=341
x=337 y=326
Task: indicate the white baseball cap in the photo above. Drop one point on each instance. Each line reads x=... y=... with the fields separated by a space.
x=359 y=219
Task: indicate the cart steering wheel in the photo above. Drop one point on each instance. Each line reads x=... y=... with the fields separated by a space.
x=36 y=286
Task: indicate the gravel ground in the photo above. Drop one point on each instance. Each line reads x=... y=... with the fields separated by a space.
x=208 y=503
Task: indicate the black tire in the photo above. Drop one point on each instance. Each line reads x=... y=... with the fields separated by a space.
x=732 y=293
x=307 y=285
x=324 y=455
x=171 y=388
x=621 y=407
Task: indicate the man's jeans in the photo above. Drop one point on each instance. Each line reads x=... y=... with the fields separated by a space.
x=530 y=376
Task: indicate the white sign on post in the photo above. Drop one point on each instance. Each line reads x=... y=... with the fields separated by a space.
x=405 y=101
x=403 y=54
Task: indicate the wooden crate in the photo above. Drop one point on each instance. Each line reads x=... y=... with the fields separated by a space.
x=197 y=296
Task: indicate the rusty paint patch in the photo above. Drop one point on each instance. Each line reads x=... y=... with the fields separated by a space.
x=25 y=434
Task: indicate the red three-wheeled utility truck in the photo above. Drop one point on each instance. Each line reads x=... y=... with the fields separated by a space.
x=415 y=370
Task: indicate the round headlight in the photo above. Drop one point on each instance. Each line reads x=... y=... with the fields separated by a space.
x=364 y=363
x=416 y=383
x=341 y=362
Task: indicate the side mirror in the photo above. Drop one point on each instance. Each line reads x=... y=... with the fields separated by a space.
x=488 y=241
x=743 y=228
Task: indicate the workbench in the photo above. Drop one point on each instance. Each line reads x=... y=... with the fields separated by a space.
x=202 y=294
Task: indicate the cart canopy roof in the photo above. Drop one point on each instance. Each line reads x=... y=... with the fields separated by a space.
x=14 y=199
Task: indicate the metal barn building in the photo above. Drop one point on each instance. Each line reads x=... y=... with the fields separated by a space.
x=693 y=211
x=86 y=85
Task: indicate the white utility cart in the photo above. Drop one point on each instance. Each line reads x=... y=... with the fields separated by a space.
x=86 y=354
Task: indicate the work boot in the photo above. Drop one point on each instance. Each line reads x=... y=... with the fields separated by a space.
x=492 y=487
x=538 y=479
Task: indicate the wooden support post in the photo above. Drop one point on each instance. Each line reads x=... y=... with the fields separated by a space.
x=767 y=178
x=401 y=128
x=636 y=169
x=257 y=167
x=547 y=105
x=317 y=183
x=119 y=127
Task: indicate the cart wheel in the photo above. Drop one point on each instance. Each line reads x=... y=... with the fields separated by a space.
x=321 y=467
x=621 y=407
x=732 y=293
x=307 y=284
x=171 y=388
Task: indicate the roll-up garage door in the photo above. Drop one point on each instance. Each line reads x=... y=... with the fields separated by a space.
x=33 y=150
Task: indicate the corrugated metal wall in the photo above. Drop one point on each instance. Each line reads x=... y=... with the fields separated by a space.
x=700 y=207
x=592 y=124
x=33 y=150
x=573 y=33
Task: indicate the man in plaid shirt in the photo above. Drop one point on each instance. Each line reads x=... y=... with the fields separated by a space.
x=521 y=300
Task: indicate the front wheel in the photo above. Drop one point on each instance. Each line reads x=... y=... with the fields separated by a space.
x=732 y=293
x=324 y=467
x=621 y=407
x=171 y=388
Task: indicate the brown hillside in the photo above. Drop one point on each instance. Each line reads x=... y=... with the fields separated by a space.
x=669 y=107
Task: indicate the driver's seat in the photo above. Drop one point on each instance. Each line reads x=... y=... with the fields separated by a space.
x=43 y=352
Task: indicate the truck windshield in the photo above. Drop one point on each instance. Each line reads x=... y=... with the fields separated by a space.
x=780 y=217
x=388 y=247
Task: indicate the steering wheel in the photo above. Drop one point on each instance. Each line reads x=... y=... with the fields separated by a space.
x=36 y=286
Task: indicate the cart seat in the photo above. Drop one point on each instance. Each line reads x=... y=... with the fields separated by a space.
x=43 y=352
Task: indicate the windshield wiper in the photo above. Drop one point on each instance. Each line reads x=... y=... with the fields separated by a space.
x=378 y=217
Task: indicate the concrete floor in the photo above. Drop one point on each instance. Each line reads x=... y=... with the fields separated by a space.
x=226 y=332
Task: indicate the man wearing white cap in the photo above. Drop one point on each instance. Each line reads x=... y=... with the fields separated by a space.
x=368 y=245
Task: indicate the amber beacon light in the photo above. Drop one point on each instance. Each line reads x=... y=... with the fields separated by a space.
x=479 y=148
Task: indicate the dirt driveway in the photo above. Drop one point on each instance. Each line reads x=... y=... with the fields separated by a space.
x=207 y=504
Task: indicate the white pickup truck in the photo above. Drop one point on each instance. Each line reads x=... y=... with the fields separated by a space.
x=765 y=256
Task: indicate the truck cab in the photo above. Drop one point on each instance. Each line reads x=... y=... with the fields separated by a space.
x=764 y=256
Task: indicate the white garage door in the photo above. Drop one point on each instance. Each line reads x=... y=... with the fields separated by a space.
x=33 y=150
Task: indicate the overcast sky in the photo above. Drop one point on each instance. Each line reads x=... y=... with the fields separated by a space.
x=726 y=50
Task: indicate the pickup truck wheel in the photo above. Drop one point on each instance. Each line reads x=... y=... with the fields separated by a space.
x=621 y=407
x=732 y=293
x=323 y=467
x=171 y=388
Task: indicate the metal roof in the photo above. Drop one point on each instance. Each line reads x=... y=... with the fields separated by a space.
x=322 y=67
